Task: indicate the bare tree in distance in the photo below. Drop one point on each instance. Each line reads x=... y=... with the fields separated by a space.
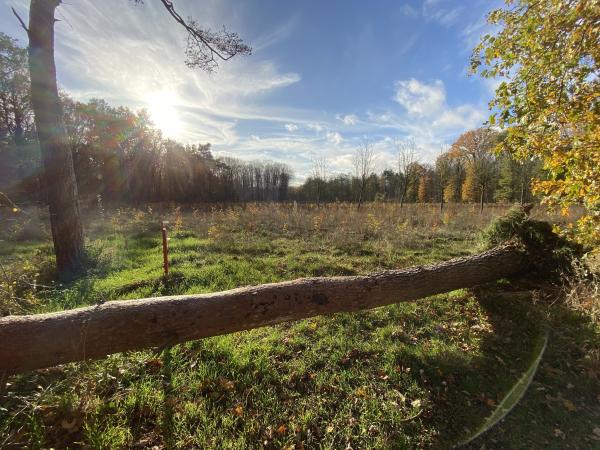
x=204 y=49
x=407 y=165
x=363 y=166
x=319 y=172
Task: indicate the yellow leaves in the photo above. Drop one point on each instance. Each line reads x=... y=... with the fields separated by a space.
x=361 y=392
x=569 y=405
x=226 y=385
x=489 y=401
x=154 y=365
x=238 y=411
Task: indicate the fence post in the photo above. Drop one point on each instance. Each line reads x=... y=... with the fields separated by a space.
x=165 y=247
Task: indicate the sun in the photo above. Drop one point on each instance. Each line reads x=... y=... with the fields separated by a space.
x=162 y=109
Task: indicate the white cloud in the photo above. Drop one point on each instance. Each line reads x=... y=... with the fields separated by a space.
x=291 y=127
x=316 y=126
x=420 y=98
x=334 y=137
x=464 y=116
x=425 y=116
x=348 y=119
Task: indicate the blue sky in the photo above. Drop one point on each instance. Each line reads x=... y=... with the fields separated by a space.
x=324 y=75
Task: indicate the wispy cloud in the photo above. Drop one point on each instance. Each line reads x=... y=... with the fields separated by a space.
x=131 y=57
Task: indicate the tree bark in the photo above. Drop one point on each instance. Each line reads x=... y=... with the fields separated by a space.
x=59 y=174
x=481 y=199
x=37 y=341
x=361 y=193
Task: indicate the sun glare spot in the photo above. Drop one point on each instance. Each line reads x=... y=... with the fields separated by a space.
x=164 y=114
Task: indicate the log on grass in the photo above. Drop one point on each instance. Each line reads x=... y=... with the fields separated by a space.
x=44 y=340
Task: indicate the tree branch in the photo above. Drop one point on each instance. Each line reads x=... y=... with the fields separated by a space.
x=222 y=45
x=20 y=20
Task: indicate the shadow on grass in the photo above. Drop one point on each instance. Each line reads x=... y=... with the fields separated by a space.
x=168 y=423
x=560 y=407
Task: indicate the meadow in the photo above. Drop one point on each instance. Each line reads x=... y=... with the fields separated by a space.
x=424 y=374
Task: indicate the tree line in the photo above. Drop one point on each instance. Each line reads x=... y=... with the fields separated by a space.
x=474 y=169
x=118 y=156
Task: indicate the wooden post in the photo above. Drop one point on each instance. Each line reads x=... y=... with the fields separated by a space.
x=165 y=247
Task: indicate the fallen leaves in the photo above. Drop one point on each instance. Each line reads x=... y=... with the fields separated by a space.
x=559 y=433
x=225 y=384
x=362 y=392
x=569 y=405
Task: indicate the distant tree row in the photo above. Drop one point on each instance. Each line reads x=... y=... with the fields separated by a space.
x=471 y=170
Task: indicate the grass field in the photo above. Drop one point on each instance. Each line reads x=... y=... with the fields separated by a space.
x=414 y=375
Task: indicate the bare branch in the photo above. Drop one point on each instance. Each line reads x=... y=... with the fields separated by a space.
x=20 y=20
x=204 y=46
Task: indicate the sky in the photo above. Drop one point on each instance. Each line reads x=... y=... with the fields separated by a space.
x=324 y=76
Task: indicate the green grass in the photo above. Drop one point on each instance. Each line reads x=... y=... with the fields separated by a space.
x=416 y=375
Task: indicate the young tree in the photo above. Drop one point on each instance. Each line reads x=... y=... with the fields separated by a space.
x=475 y=148
x=204 y=49
x=319 y=172
x=548 y=53
x=425 y=191
x=407 y=166
x=443 y=174
x=363 y=166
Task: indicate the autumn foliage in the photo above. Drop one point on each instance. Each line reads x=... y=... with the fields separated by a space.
x=546 y=57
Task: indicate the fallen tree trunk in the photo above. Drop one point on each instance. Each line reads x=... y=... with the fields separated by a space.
x=38 y=341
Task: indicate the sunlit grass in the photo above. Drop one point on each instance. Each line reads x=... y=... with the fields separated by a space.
x=419 y=374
